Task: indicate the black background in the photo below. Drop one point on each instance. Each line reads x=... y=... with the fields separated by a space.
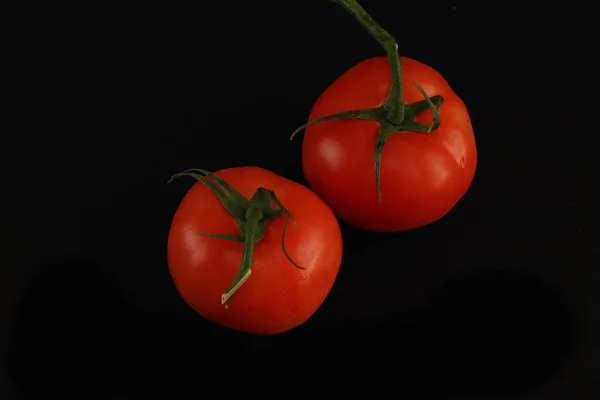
x=498 y=298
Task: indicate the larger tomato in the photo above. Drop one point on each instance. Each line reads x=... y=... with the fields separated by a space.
x=423 y=175
x=282 y=291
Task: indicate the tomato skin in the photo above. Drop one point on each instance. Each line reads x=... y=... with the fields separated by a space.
x=277 y=296
x=423 y=176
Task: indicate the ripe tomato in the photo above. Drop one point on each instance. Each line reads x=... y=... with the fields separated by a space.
x=277 y=296
x=423 y=175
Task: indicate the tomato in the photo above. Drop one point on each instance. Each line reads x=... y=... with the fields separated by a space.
x=283 y=290
x=389 y=146
x=422 y=175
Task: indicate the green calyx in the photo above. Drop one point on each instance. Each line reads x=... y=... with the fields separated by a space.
x=251 y=216
x=394 y=115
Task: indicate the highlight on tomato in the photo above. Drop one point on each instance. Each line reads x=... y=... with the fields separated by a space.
x=253 y=251
x=389 y=146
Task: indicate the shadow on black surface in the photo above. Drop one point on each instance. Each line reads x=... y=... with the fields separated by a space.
x=510 y=331
x=69 y=328
x=491 y=333
x=488 y=333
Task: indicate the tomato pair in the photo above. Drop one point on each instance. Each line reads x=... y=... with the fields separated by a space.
x=388 y=147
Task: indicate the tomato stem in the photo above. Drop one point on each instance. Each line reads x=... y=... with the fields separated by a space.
x=252 y=217
x=394 y=115
x=251 y=237
x=394 y=104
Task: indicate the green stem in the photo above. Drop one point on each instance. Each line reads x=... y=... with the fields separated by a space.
x=251 y=236
x=394 y=103
x=252 y=217
x=394 y=115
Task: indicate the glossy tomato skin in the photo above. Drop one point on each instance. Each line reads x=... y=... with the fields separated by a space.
x=277 y=296
x=423 y=176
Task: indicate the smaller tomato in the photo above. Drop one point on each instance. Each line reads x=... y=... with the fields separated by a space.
x=230 y=218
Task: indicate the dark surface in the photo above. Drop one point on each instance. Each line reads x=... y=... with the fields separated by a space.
x=498 y=298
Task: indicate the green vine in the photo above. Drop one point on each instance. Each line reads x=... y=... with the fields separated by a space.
x=251 y=216
x=394 y=115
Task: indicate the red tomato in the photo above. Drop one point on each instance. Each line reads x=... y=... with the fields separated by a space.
x=277 y=296
x=422 y=175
